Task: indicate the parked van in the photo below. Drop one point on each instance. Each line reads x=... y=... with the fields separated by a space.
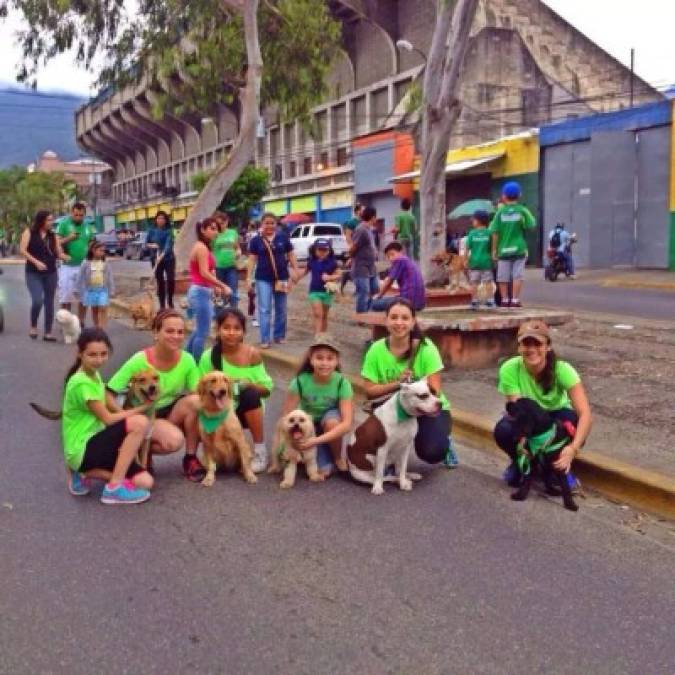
x=303 y=236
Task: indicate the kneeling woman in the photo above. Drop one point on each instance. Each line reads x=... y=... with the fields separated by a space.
x=326 y=395
x=537 y=373
x=176 y=410
x=100 y=442
x=405 y=354
x=243 y=364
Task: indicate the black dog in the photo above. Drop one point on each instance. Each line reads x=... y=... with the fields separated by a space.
x=541 y=438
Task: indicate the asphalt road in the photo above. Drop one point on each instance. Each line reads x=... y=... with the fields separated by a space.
x=451 y=578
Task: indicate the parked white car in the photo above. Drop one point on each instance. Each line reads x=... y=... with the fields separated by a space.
x=303 y=236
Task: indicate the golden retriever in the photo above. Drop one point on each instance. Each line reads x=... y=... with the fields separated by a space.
x=225 y=444
x=291 y=429
x=142 y=310
x=455 y=265
x=143 y=388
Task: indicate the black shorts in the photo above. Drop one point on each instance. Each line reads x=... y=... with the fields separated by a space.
x=102 y=450
x=163 y=413
x=249 y=399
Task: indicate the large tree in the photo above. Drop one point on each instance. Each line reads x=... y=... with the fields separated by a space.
x=197 y=55
x=441 y=108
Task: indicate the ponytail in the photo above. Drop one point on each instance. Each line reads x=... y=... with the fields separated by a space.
x=546 y=377
x=73 y=369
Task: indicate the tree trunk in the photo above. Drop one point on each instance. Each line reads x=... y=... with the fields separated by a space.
x=440 y=111
x=243 y=150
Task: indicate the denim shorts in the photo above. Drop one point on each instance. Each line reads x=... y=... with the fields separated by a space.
x=324 y=457
x=96 y=297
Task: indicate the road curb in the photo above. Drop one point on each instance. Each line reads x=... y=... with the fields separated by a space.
x=646 y=490
x=644 y=285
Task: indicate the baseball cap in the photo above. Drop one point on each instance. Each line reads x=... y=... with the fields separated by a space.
x=536 y=329
x=325 y=340
x=321 y=242
x=511 y=190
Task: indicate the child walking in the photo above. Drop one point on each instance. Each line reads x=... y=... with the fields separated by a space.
x=326 y=395
x=96 y=285
x=99 y=442
x=324 y=269
x=479 y=250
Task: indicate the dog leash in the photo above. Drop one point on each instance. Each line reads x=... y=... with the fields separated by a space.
x=530 y=448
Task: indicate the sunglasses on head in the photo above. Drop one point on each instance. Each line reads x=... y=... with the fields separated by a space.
x=531 y=342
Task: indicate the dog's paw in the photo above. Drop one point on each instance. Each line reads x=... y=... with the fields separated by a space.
x=285 y=484
x=208 y=481
x=413 y=475
x=317 y=478
x=377 y=490
x=405 y=484
x=251 y=478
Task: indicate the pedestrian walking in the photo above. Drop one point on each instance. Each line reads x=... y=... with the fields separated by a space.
x=320 y=389
x=404 y=354
x=243 y=364
x=203 y=281
x=163 y=260
x=75 y=235
x=478 y=247
x=537 y=373
x=101 y=440
x=405 y=228
x=226 y=250
x=96 y=285
x=364 y=255
x=41 y=249
x=509 y=247
x=407 y=276
x=323 y=267
x=270 y=257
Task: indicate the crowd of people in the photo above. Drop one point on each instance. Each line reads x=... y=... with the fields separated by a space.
x=101 y=440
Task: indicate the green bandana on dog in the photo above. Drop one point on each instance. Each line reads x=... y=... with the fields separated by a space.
x=537 y=445
x=401 y=414
x=209 y=423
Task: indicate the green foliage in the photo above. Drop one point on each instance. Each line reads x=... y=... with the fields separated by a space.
x=247 y=191
x=193 y=48
x=22 y=194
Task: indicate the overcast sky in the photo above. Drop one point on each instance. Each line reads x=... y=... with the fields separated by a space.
x=616 y=25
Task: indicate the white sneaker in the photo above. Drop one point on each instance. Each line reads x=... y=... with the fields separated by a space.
x=255 y=323
x=259 y=463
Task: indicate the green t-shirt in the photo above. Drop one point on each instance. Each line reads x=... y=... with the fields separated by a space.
x=78 y=423
x=224 y=248
x=382 y=367
x=509 y=224
x=351 y=224
x=317 y=399
x=77 y=248
x=478 y=244
x=255 y=374
x=405 y=224
x=183 y=377
x=515 y=380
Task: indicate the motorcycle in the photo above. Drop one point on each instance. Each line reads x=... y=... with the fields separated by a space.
x=557 y=264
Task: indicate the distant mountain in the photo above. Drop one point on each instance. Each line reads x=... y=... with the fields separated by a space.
x=33 y=121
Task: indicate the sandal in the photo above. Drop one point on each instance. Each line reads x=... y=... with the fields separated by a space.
x=49 y=338
x=33 y=336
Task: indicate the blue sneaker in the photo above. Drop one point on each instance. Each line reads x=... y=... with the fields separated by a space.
x=124 y=493
x=78 y=485
x=451 y=460
x=511 y=475
x=574 y=483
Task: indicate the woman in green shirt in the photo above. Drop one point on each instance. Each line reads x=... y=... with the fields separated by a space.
x=326 y=395
x=100 y=440
x=226 y=249
x=243 y=364
x=176 y=410
x=537 y=373
x=406 y=354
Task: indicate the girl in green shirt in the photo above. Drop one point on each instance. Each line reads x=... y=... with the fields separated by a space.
x=243 y=364
x=324 y=393
x=176 y=421
x=537 y=373
x=406 y=354
x=100 y=440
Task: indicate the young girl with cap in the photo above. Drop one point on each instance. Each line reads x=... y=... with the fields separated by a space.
x=324 y=268
x=324 y=393
x=537 y=373
x=243 y=364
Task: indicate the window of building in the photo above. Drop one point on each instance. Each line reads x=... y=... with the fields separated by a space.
x=292 y=169
x=341 y=158
x=307 y=165
x=323 y=161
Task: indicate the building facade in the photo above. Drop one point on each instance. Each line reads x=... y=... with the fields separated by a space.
x=525 y=66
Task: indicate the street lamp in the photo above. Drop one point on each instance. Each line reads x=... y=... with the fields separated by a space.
x=408 y=46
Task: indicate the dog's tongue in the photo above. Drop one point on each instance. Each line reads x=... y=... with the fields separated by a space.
x=296 y=435
x=219 y=401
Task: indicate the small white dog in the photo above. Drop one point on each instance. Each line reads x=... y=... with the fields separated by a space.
x=387 y=436
x=70 y=325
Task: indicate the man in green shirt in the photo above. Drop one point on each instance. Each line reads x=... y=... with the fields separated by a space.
x=75 y=236
x=405 y=227
x=350 y=225
x=509 y=248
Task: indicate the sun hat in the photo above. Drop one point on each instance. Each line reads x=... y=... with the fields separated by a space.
x=511 y=190
x=321 y=242
x=536 y=329
x=325 y=340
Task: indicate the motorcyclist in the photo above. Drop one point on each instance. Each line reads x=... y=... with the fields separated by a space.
x=561 y=241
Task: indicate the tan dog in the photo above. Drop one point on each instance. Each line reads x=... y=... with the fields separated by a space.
x=143 y=310
x=143 y=388
x=220 y=430
x=455 y=267
x=291 y=429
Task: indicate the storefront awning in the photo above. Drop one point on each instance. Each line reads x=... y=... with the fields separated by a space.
x=455 y=167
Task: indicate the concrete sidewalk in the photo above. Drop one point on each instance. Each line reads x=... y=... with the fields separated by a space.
x=657 y=280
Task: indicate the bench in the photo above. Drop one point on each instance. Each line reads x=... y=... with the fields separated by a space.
x=469 y=339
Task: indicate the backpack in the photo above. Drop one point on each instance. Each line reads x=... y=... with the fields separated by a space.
x=555 y=239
